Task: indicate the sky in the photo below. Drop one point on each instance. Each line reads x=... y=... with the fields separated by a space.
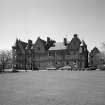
x=28 y=19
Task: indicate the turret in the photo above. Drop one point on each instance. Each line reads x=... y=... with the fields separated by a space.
x=83 y=47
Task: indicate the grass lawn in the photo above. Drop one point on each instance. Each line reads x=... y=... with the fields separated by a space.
x=53 y=88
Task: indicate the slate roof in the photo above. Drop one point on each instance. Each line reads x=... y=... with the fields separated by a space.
x=58 y=46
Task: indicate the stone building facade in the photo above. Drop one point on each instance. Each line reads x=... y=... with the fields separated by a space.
x=96 y=58
x=41 y=54
x=93 y=57
x=73 y=53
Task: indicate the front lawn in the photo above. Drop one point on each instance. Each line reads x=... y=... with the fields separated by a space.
x=53 y=88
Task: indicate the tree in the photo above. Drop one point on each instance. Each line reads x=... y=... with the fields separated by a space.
x=103 y=47
x=5 y=57
x=101 y=55
x=49 y=43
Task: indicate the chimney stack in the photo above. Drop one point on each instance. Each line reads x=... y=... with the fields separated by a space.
x=48 y=39
x=65 y=41
x=75 y=35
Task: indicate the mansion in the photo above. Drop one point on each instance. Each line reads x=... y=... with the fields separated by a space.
x=43 y=54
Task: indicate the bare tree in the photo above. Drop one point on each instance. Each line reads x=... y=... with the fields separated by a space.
x=103 y=46
x=101 y=55
x=5 y=56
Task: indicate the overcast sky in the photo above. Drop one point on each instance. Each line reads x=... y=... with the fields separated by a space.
x=28 y=19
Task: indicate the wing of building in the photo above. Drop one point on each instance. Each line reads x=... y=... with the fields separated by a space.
x=96 y=58
x=41 y=54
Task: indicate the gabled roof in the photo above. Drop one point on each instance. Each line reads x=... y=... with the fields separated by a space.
x=95 y=50
x=74 y=43
x=58 y=46
x=39 y=45
x=20 y=45
x=24 y=44
x=43 y=41
x=83 y=43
